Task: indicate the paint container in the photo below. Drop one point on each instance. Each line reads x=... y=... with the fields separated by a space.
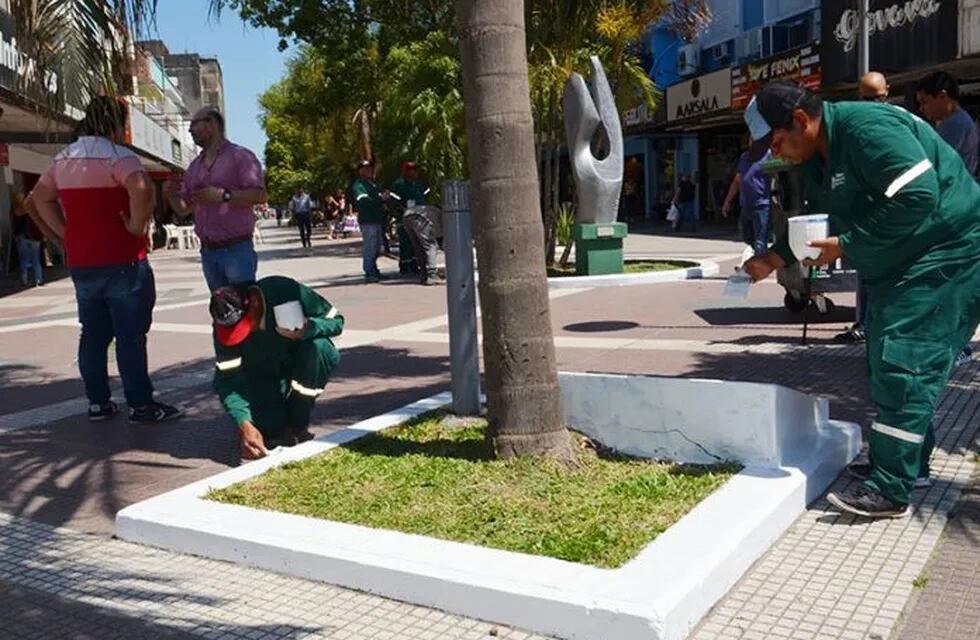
x=289 y=315
x=804 y=229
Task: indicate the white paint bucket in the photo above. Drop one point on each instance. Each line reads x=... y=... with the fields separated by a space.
x=289 y=315
x=803 y=229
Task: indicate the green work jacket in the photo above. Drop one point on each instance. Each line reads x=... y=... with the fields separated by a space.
x=900 y=199
x=368 y=202
x=405 y=192
x=243 y=373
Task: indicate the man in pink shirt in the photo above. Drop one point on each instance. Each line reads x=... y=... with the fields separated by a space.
x=107 y=199
x=220 y=188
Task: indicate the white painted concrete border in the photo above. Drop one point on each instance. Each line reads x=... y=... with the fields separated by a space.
x=659 y=595
x=704 y=269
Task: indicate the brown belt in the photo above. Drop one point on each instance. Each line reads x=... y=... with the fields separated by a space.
x=224 y=244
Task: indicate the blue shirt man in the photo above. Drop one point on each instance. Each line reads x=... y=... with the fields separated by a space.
x=301 y=205
x=753 y=186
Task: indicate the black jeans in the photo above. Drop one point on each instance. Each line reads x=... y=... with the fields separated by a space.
x=305 y=228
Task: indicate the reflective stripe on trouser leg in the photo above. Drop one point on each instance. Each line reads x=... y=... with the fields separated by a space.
x=312 y=364
x=913 y=336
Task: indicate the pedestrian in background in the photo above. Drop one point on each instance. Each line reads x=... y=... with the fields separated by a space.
x=107 y=198
x=301 y=207
x=938 y=96
x=753 y=186
x=221 y=186
x=684 y=199
x=28 y=238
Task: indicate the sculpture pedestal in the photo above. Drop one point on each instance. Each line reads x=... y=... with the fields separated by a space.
x=599 y=248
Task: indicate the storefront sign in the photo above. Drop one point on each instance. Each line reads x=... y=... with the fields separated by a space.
x=16 y=66
x=801 y=66
x=701 y=96
x=144 y=134
x=904 y=35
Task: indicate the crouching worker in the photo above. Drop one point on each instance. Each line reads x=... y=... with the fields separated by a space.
x=266 y=375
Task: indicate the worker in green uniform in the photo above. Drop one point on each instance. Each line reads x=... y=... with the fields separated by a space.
x=903 y=211
x=369 y=202
x=267 y=374
x=406 y=192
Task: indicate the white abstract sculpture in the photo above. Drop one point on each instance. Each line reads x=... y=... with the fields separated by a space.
x=599 y=182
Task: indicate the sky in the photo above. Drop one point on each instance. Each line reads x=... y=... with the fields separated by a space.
x=250 y=60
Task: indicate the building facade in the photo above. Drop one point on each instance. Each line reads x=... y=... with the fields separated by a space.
x=698 y=129
x=36 y=122
x=198 y=78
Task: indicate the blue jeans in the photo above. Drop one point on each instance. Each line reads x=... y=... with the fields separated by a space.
x=115 y=302
x=29 y=252
x=687 y=215
x=230 y=265
x=756 y=227
x=370 y=248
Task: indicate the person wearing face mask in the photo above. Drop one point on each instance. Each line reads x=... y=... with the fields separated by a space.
x=902 y=207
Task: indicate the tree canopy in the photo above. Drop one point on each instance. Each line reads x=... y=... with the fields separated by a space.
x=381 y=78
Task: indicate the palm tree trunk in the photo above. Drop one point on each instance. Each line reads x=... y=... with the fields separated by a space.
x=523 y=397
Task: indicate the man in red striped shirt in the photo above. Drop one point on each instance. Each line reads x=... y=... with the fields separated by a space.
x=107 y=199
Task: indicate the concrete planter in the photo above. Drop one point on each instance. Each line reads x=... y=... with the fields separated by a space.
x=789 y=448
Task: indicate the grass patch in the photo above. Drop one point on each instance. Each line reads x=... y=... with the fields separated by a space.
x=434 y=478
x=630 y=266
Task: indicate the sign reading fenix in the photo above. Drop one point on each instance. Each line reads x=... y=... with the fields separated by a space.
x=802 y=66
x=700 y=96
x=903 y=35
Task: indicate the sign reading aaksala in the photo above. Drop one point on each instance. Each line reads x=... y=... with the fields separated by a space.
x=700 y=96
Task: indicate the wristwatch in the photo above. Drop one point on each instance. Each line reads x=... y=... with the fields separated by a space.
x=226 y=196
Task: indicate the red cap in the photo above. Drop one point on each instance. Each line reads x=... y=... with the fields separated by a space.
x=407 y=166
x=235 y=334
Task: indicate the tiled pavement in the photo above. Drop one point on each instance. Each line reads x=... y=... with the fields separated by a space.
x=828 y=577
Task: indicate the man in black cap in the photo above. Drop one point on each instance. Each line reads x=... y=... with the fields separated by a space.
x=902 y=211
x=274 y=357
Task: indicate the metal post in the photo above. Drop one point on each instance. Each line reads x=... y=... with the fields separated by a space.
x=864 y=41
x=457 y=228
x=864 y=66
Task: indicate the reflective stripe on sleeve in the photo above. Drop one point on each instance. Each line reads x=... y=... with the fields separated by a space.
x=395 y=196
x=225 y=365
x=884 y=429
x=332 y=313
x=363 y=195
x=426 y=192
x=899 y=183
x=306 y=391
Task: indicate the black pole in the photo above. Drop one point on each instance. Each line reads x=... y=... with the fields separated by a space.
x=807 y=289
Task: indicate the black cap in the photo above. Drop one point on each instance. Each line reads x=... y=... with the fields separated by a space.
x=229 y=310
x=771 y=108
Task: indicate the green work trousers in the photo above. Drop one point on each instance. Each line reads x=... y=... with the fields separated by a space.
x=285 y=401
x=916 y=328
